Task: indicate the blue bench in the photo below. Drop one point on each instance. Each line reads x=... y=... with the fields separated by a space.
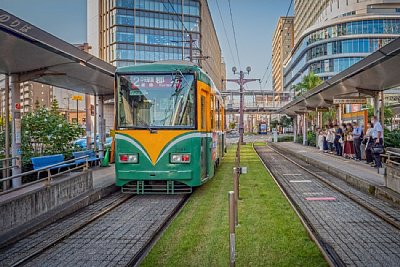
x=45 y=161
x=92 y=158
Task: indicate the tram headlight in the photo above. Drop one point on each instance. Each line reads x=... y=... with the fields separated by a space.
x=180 y=158
x=128 y=158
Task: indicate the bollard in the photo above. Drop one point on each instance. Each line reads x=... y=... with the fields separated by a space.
x=236 y=191
x=232 y=228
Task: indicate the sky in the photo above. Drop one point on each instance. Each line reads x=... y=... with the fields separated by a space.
x=254 y=22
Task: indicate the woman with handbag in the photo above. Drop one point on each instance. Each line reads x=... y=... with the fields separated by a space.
x=348 y=142
x=368 y=143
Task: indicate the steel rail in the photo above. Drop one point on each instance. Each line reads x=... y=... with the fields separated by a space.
x=75 y=229
x=330 y=255
x=390 y=220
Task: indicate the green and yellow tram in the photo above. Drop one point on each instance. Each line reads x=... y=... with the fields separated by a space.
x=169 y=133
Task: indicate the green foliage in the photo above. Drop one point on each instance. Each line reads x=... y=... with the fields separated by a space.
x=46 y=132
x=311 y=139
x=285 y=121
x=387 y=112
x=392 y=138
x=232 y=125
x=309 y=82
x=329 y=116
x=286 y=138
x=274 y=124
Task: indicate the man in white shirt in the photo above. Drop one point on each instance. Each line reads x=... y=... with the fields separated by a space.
x=377 y=136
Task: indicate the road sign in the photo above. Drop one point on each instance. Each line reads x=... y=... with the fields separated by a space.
x=77 y=97
x=350 y=101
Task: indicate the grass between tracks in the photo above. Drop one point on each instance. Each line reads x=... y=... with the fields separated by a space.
x=270 y=233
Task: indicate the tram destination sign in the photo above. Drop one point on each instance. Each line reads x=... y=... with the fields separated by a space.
x=361 y=101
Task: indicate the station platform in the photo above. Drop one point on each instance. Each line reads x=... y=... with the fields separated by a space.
x=356 y=173
x=37 y=205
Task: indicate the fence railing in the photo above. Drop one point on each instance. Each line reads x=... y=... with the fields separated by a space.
x=46 y=169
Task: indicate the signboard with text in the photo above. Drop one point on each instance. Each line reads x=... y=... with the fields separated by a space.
x=361 y=101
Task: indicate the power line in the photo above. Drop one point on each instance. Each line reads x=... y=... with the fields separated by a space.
x=234 y=34
x=270 y=61
x=226 y=35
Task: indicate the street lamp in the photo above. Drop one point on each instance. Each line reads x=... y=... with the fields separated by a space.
x=241 y=81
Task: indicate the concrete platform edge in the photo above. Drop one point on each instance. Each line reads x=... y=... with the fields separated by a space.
x=372 y=189
x=21 y=231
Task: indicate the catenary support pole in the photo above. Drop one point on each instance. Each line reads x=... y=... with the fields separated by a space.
x=16 y=129
x=232 y=249
x=236 y=174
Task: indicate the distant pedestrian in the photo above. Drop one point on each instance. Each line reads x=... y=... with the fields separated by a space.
x=368 y=141
x=348 y=142
x=377 y=136
x=357 y=135
x=338 y=140
x=330 y=138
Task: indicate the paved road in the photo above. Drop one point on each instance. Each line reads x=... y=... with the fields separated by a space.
x=357 y=236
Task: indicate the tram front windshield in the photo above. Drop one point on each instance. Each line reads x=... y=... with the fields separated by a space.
x=156 y=101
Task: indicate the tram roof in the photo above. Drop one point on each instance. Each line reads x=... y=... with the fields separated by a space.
x=375 y=73
x=36 y=55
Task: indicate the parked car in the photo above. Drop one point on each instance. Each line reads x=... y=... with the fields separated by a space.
x=81 y=142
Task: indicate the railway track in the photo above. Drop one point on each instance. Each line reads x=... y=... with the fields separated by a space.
x=127 y=225
x=347 y=230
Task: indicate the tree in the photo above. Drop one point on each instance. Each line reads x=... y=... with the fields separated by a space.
x=45 y=132
x=309 y=82
x=387 y=112
x=232 y=125
x=285 y=121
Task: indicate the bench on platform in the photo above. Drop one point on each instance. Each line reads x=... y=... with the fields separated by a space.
x=45 y=161
x=91 y=157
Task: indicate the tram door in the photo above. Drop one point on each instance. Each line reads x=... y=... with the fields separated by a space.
x=203 y=128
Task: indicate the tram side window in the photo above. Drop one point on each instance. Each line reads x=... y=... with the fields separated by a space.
x=203 y=112
x=212 y=113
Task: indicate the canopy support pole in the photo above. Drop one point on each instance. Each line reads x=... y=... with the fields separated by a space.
x=16 y=129
x=101 y=125
x=88 y=123
x=305 y=129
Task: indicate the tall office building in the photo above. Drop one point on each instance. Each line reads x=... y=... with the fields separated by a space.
x=282 y=45
x=345 y=32
x=128 y=32
x=306 y=13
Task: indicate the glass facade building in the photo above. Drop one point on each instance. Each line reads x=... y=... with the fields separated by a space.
x=132 y=32
x=335 y=44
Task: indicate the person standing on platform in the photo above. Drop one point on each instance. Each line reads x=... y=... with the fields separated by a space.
x=368 y=141
x=338 y=140
x=357 y=137
x=377 y=136
x=348 y=142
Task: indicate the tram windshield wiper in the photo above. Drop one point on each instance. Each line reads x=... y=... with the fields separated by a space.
x=146 y=125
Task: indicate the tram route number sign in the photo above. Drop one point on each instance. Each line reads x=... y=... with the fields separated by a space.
x=77 y=97
x=361 y=101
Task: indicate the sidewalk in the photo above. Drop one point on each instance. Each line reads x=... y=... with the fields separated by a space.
x=358 y=174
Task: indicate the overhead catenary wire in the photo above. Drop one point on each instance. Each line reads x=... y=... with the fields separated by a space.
x=226 y=34
x=270 y=61
x=234 y=34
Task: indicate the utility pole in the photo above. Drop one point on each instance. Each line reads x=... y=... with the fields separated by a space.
x=191 y=41
x=241 y=81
